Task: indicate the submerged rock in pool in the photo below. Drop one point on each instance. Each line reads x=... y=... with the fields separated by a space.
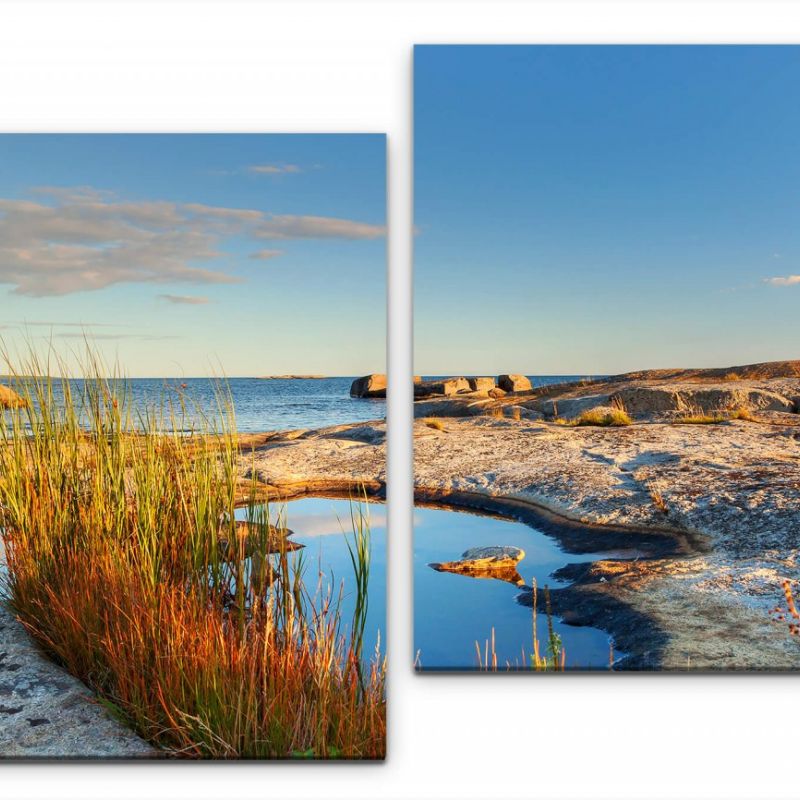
x=499 y=562
x=248 y=542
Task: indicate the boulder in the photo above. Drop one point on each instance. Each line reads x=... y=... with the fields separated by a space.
x=497 y=393
x=442 y=388
x=369 y=386
x=481 y=384
x=514 y=383
x=499 y=562
x=493 y=556
x=10 y=399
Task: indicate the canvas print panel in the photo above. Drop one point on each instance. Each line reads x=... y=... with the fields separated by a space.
x=606 y=424
x=192 y=564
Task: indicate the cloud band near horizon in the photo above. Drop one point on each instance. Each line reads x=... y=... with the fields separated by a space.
x=87 y=239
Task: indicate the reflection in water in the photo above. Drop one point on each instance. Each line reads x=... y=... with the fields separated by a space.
x=498 y=563
x=453 y=611
x=506 y=574
x=321 y=525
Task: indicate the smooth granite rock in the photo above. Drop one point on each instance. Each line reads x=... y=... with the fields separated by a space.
x=369 y=386
x=514 y=383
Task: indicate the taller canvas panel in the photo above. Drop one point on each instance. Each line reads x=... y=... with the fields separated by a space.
x=193 y=536
x=606 y=435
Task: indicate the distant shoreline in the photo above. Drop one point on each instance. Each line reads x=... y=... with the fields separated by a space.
x=11 y=378
x=292 y=377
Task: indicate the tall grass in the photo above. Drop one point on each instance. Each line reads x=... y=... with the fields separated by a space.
x=126 y=563
x=552 y=657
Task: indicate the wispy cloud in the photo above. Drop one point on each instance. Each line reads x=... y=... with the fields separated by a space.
x=785 y=280
x=185 y=299
x=55 y=324
x=274 y=169
x=87 y=239
x=82 y=242
x=146 y=337
x=87 y=193
x=263 y=255
x=288 y=226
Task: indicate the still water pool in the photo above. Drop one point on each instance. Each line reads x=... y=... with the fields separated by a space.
x=452 y=612
x=322 y=525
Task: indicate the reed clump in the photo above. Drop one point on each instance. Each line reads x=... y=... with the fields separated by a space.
x=698 y=418
x=435 y=423
x=551 y=658
x=657 y=496
x=601 y=417
x=111 y=519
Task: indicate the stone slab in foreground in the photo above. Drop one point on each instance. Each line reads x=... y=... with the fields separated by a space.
x=47 y=713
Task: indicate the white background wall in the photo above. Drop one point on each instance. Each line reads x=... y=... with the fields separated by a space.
x=346 y=66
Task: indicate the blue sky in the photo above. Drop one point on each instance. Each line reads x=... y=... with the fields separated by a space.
x=187 y=255
x=586 y=210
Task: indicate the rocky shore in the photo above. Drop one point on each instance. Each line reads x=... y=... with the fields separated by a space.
x=704 y=483
x=709 y=467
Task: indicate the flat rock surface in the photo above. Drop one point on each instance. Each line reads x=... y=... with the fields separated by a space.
x=737 y=485
x=47 y=713
x=339 y=458
x=661 y=400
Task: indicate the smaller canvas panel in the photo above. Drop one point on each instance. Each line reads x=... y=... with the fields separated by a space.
x=192 y=553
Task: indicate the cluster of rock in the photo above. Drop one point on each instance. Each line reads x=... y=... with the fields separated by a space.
x=375 y=386
x=483 y=386
x=645 y=397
